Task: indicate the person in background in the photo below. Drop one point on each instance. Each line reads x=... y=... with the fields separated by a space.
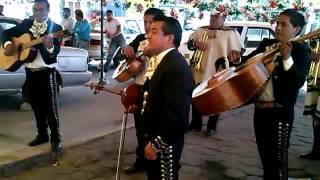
x=67 y=23
x=130 y=52
x=221 y=49
x=1 y=10
x=274 y=108
x=312 y=107
x=81 y=30
x=113 y=32
x=40 y=72
x=167 y=100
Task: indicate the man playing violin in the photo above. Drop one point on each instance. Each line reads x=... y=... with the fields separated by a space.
x=274 y=108
x=216 y=47
x=130 y=52
x=40 y=72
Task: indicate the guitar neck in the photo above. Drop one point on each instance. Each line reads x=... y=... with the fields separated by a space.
x=58 y=34
x=31 y=43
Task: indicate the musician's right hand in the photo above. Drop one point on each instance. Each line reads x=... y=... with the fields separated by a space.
x=130 y=109
x=315 y=57
x=200 y=45
x=128 y=52
x=9 y=50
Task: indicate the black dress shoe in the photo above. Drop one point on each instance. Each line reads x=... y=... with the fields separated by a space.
x=195 y=128
x=313 y=155
x=56 y=148
x=209 y=132
x=134 y=169
x=39 y=140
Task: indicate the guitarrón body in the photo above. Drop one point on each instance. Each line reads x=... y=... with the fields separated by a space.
x=233 y=88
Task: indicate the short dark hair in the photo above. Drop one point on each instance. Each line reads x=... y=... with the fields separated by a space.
x=66 y=9
x=79 y=13
x=153 y=12
x=170 y=26
x=109 y=11
x=296 y=18
x=43 y=1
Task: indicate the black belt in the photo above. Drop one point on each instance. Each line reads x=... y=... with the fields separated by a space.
x=38 y=69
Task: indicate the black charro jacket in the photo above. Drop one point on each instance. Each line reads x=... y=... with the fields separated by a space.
x=166 y=113
x=286 y=84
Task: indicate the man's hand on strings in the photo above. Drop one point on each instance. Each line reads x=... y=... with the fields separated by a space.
x=9 y=50
x=48 y=42
x=285 y=49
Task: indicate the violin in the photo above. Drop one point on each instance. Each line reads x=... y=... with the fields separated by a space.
x=129 y=96
x=128 y=68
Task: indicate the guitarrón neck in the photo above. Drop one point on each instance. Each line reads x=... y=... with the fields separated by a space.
x=31 y=43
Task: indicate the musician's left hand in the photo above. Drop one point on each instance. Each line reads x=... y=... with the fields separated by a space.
x=285 y=49
x=234 y=56
x=149 y=152
x=48 y=42
x=315 y=57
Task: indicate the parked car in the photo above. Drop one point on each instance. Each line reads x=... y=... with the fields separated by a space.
x=251 y=33
x=130 y=29
x=72 y=66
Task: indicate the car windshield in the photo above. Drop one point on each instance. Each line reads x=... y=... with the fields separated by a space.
x=5 y=25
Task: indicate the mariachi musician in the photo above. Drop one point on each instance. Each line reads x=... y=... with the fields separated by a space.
x=312 y=100
x=216 y=48
x=40 y=73
x=130 y=51
x=274 y=108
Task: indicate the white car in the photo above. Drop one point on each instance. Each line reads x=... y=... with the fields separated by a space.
x=251 y=33
x=72 y=66
x=130 y=29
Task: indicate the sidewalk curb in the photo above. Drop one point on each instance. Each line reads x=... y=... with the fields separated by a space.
x=9 y=169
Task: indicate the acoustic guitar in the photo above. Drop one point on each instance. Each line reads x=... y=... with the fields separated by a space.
x=233 y=88
x=128 y=68
x=24 y=52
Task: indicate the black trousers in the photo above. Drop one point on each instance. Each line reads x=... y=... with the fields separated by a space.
x=42 y=88
x=196 y=122
x=272 y=127
x=166 y=166
x=316 y=133
x=140 y=159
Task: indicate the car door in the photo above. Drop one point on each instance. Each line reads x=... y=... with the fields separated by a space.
x=254 y=36
x=10 y=81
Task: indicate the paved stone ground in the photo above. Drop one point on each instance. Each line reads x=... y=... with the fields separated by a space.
x=230 y=154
